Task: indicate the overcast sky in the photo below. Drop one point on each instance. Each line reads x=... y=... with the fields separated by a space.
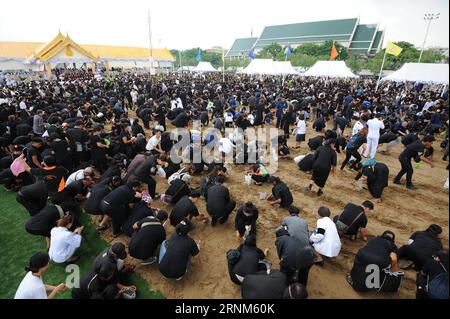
x=182 y=24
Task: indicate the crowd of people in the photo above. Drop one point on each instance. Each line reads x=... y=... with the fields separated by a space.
x=83 y=144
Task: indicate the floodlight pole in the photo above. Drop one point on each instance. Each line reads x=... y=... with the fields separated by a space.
x=428 y=17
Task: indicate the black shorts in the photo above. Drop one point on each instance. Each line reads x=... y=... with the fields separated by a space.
x=300 y=138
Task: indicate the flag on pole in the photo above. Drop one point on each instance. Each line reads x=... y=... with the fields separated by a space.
x=288 y=51
x=198 y=57
x=334 y=53
x=251 y=54
x=393 y=49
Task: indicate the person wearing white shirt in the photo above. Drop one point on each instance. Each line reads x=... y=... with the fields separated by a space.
x=374 y=125
x=63 y=242
x=300 y=131
x=428 y=105
x=32 y=286
x=79 y=175
x=22 y=105
x=153 y=144
x=357 y=127
x=225 y=145
x=325 y=238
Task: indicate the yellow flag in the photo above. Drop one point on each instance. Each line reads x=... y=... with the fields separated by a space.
x=393 y=49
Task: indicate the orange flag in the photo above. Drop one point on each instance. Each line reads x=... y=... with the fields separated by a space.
x=334 y=53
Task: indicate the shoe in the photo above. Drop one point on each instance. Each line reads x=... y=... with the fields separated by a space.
x=319 y=192
x=72 y=261
x=397 y=182
x=178 y=279
x=149 y=261
x=411 y=187
x=349 y=280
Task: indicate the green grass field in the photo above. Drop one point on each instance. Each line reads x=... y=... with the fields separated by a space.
x=18 y=246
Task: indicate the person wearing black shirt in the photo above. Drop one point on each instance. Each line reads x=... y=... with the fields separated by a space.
x=98 y=149
x=98 y=285
x=315 y=142
x=60 y=150
x=421 y=246
x=432 y=281
x=98 y=192
x=43 y=222
x=185 y=208
x=78 y=138
x=306 y=164
x=245 y=221
x=116 y=204
x=249 y=262
x=182 y=120
x=140 y=211
x=271 y=284
x=33 y=197
x=280 y=193
x=414 y=151
x=175 y=254
x=382 y=252
x=219 y=205
x=144 y=173
x=377 y=178
x=325 y=159
x=355 y=218
x=148 y=234
x=33 y=154
x=295 y=259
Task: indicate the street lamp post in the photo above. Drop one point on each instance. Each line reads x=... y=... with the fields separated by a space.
x=427 y=17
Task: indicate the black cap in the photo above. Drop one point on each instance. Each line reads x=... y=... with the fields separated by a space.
x=38 y=261
x=119 y=250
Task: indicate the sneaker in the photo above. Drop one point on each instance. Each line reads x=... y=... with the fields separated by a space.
x=397 y=182
x=149 y=261
x=349 y=280
x=411 y=187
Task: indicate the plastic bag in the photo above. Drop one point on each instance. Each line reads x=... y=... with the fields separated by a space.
x=446 y=184
x=298 y=159
x=17 y=167
x=248 y=179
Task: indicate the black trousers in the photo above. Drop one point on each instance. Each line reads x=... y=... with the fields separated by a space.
x=348 y=154
x=406 y=169
x=229 y=207
x=151 y=184
x=296 y=275
x=117 y=214
x=31 y=205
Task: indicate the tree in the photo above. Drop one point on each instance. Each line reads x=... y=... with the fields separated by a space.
x=355 y=63
x=270 y=52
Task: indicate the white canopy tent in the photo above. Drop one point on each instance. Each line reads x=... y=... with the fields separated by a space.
x=420 y=72
x=204 y=67
x=332 y=69
x=285 y=68
x=260 y=66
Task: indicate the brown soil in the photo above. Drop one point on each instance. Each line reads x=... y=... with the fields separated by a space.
x=402 y=211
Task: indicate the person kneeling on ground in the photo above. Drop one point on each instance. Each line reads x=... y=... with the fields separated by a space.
x=175 y=254
x=32 y=286
x=250 y=260
x=421 y=246
x=376 y=263
x=63 y=242
x=271 y=284
x=353 y=220
x=186 y=208
x=245 y=222
x=259 y=173
x=325 y=238
x=219 y=204
x=280 y=193
x=432 y=281
x=149 y=234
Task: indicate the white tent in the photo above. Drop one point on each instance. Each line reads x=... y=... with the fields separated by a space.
x=204 y=67
x=260 y=66
x=284 y=68
x=420 y=72
x=332 y=69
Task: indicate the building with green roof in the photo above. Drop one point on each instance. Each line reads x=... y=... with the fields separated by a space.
x=357 y=38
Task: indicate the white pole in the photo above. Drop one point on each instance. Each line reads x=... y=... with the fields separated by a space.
x=223 y=65
x=150 y=41
x=425 y=39
x=381 y=70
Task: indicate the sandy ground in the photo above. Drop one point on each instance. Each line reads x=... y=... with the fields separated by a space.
x=402 y=211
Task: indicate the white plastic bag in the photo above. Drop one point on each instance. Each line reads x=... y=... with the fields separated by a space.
x=298 y=159
x=248 y=179
x=446 y=184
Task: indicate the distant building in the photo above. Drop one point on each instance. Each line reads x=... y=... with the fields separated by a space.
x=217 y=50
x=358 y=38
x=62 y=51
